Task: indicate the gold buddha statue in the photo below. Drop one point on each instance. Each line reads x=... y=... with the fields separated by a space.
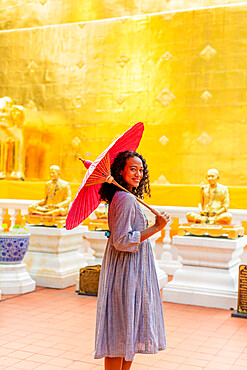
x=57 y=197
x=11 y=139
x=214 y=202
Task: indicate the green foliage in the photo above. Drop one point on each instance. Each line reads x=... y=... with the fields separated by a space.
x=16 y=229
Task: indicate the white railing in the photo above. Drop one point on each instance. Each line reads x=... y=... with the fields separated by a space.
x=165 y=252
x=15 y=205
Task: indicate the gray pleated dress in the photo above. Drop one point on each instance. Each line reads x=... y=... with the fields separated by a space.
x=129 y=309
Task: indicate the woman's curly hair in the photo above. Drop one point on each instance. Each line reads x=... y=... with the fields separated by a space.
x=107 y=191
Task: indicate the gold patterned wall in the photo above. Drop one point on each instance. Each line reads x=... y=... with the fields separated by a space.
x=182 y=73
x=36 y=13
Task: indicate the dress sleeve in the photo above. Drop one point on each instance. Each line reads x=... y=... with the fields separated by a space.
x=124 y=237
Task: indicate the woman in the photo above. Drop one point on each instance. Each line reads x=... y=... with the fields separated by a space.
x=129 y=309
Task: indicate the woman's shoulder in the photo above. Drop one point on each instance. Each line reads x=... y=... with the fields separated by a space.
x=124 y=203
x=123 y=196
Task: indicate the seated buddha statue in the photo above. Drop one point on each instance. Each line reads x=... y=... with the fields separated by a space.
x=214 y=202
x=57 y=197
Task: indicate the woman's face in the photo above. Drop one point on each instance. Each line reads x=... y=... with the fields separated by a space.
x=132 y=172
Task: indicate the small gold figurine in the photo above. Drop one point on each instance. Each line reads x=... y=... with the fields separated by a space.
x=54 y=208
x=214 y=218
x=214 y=202
x=101 y=221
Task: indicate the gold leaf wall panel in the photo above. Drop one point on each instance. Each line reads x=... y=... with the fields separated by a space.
x=35 y=13
x=183 y=74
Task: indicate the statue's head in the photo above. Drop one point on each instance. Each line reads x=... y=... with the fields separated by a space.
x=54 y=172
x=17 y=115
x=212 y=176
x=8 y=102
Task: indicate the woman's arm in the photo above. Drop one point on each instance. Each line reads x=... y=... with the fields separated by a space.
x=160 y=222
x=123 y=217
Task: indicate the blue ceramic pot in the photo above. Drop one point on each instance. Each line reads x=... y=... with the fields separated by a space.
x=13 y=247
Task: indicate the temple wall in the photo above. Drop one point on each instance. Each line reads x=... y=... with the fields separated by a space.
x=161 y=195
x=35 y=13
x=182 y=73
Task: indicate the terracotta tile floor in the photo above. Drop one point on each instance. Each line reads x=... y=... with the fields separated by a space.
x=53 y=329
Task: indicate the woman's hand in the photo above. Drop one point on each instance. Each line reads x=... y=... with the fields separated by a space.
x=162 y=220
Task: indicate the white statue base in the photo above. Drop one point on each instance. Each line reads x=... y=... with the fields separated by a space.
x=166 y=254
x=97 y=241
x=168 y=264
x=87 y=251
x=244 y=257
x=161 y=274
x=53 y=258
x=209 y=273
x=14 y=279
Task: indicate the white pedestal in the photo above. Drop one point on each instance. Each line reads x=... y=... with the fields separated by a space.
x=244 y=257
x=87 y=251
x=169 y=261
x=97 y=241
x=14 y=279
x=209 y=273
x=166 y=254
x=161 y=274
x=53 y=258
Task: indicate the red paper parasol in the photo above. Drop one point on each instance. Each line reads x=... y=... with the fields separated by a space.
x=87 y=198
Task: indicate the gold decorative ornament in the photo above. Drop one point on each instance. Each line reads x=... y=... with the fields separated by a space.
x=43 y=2
x=232 y=231
x=204 y=139
x=120 y=100
x=206 y=96
x=165 y=97
x=163 y=140
x=208 y=53
x=122 y=61
x=167 y=56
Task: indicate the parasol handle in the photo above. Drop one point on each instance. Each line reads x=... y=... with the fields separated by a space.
x=139 y=200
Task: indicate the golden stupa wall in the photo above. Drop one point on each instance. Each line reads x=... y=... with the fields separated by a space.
x=182 y=73
x=36 y=13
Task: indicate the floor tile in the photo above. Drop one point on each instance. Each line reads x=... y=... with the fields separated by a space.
x=52 y=329
x=8 y=361
x=218 y=366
